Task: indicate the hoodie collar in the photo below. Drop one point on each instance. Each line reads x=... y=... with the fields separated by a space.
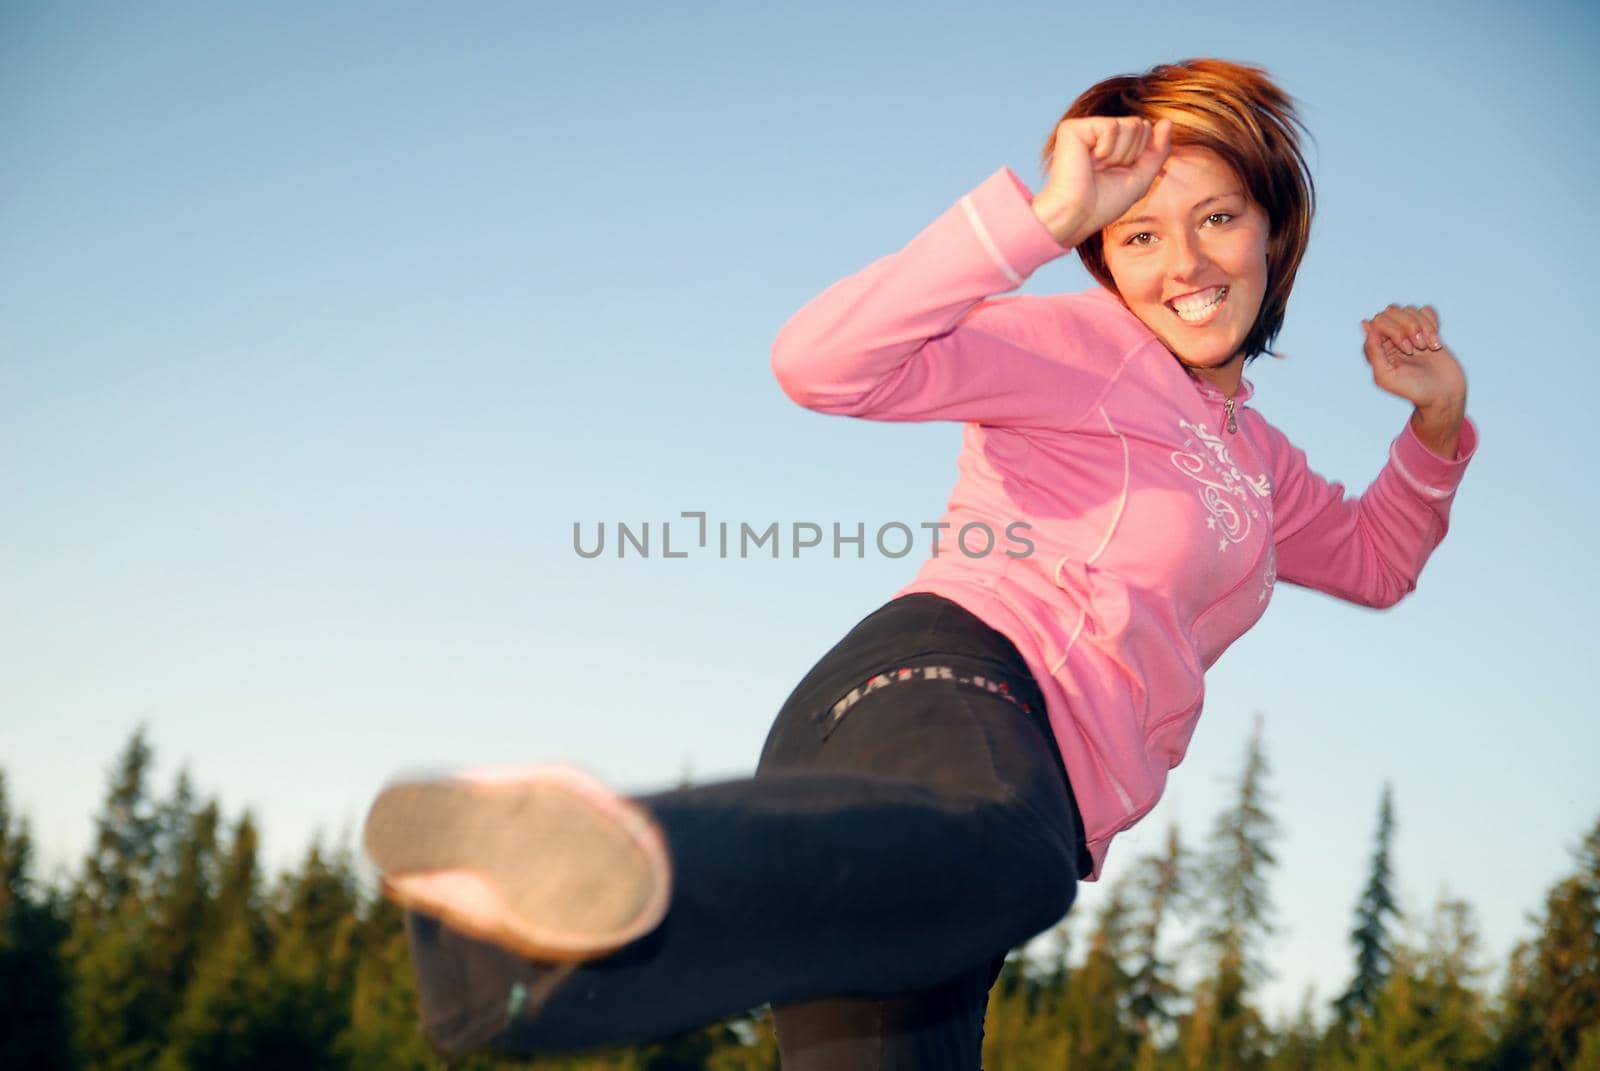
x=1204 y=389
x=1212 y=394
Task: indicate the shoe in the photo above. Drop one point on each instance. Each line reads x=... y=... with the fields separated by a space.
x=545 y=861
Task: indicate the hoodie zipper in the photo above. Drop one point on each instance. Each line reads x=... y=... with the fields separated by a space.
x=1230 y=421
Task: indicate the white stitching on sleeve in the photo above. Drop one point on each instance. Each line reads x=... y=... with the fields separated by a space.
x=986 y=240
x=1416 y=485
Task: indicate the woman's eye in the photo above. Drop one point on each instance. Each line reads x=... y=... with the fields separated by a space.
x=1219 y=217
x=1142 y=238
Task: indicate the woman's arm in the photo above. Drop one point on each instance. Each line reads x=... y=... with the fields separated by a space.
x=916 y=336
x=1368 y=550
x=1371 y=550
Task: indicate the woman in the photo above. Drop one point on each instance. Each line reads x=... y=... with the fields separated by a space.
x=935 y=786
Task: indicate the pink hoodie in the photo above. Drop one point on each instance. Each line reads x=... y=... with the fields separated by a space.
x=1158 y=530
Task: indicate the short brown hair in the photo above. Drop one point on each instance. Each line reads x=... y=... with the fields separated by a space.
x=1240 y=114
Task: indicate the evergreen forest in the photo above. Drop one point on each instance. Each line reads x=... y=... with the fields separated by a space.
x=169 y=948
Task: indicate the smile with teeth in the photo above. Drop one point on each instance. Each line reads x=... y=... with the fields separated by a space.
x=1198 y=307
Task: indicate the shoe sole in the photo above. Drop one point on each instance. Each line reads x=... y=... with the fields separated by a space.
x=546 y=861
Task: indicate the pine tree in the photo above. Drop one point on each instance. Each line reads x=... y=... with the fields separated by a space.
x=215 y=1025
x=121 y=865
x=1517 y=1027
x=218 y=1025
x=117 y=998
x=1006 y=1021
x=384 y=1026
x=1224 y=1030
x=311 y=972
x=33 y=993
x=1024 y=1026
x=1429 y=1015
x=1371 y=936
x=1572 y=959
x=1452 y=973
x=275 y=992
x=1161 y=881
x=1095 y=1011
x=16 y=850
x=1588 y=1057
x=1300 y=1046
x=239 y=885
x=182 y=902
x=1553 y=998
x=1236 y=866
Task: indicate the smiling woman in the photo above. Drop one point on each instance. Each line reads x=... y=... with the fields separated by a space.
x=936 y=785
x=1244 y=122
x=1190 y=260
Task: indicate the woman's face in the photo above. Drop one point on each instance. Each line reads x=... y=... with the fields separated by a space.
x=1190 y=260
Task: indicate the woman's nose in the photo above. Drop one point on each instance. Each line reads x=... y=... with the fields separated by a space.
x=1185 y=256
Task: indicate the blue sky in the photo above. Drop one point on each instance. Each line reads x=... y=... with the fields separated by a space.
x=320 y=327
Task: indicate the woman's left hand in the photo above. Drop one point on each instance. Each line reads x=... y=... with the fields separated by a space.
x=1410 y=361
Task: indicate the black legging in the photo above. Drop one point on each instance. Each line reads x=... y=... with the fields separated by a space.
x=909 y=822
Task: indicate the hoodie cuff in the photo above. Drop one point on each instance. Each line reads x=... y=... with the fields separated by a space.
x=1429 y=474
x=1001 y=213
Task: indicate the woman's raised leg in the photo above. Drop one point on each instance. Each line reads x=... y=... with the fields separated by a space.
x=894 y=851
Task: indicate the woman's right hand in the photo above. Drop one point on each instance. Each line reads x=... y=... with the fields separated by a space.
x=1100 y=168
